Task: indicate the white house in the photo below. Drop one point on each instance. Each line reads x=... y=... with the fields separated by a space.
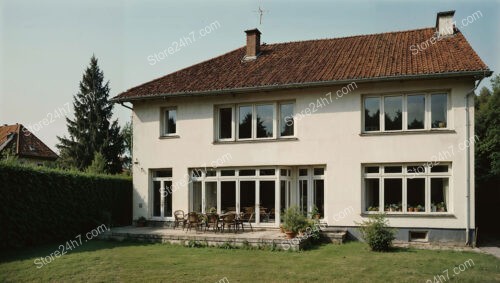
x=350 y=126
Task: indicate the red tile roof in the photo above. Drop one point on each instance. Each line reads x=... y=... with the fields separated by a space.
x=27 y=144
x=374 y=56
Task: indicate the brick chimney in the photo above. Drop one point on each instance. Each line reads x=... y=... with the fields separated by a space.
x=253 y=44
x=445 y=25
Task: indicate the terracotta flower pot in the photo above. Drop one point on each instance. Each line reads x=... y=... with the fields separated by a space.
x=290 y=234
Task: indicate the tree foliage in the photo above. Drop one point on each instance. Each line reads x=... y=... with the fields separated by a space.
x=487 y=128
x=98 y=165
x=92 y=130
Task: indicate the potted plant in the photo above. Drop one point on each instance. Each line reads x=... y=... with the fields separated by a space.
x=410 y=209
x=387 y=207
x=282 y=230
x=141 y=221
x=373 y=208
x=212 y=210
x=441 y=207
x=293 y=221
x=442 y=124
x=433 y=207
x=420 y=208
x=399 y=207
x=315 y=213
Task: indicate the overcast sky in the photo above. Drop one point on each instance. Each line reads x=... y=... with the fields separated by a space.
x=46 y=45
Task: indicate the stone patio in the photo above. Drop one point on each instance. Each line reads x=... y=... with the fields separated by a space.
x=260 y=237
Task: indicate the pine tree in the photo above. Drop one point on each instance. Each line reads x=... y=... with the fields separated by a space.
x=92 y=130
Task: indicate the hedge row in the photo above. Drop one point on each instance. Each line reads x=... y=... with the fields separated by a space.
x=39 y=205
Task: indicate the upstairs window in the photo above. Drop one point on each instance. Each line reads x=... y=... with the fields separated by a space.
x=439 y=109
x=225 y=123
x=286 y=119
x=406 y=112
x=255 y=121
x=169 y=121
x=393 y=113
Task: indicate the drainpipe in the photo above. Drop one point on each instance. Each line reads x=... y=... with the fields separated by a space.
x=467 y=162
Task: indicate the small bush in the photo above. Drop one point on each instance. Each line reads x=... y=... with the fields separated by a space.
x=294 y=220
x=377 y=233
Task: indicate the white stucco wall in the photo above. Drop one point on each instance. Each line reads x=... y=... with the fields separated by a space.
x=331 y=136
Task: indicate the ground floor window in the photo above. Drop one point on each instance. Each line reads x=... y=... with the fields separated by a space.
x=262 y=193
x=406 y=188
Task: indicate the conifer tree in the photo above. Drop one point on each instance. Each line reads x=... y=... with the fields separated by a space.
x=92 y=130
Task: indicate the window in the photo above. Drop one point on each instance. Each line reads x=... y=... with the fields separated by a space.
x=439 y=109
x=255 y=121
x=267 y=172
x=415 y=195
x=439 y=194
x=247 y=172
x=406 y=188
x=170 y=121
x=416 y=112
x=372 y=194
x=393 y=113
x=265 y=121
x=286 y=119
x=245 y=122
x=225 y=123
x=407 y=112
x=418 y=236
x=372 y=114
x=393 y=195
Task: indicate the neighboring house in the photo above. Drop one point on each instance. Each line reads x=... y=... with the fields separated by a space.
x=18 y=140
x=353 y=126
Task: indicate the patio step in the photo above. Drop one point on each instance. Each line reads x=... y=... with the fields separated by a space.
x=334 y=236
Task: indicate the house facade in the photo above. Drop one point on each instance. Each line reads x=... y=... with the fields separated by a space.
x=347 y=127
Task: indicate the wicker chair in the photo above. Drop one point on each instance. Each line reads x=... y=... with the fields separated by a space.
x=212 y=221
x=245 y=218
x=193 y=220
x=228 y=220
x=179 y=219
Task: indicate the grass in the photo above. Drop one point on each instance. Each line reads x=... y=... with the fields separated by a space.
x=100 y=261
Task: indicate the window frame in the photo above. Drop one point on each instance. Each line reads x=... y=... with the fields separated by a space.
x=404 y=176
x=235 y=124
x=404 y=96
x=164 y=123
x=278 y=119
x=218 y=120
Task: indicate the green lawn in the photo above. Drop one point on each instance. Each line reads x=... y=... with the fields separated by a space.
x=100 y=261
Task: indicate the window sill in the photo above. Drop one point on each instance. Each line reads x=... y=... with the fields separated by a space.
x=256 y=141
x=415 y=214
x=446 y=131
x=169 y=137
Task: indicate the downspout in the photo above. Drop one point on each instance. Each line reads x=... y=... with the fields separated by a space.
x=467 y=162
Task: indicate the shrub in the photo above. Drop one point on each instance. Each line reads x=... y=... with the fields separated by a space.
x=294 y=220
x=41 y=205
x=377 y=233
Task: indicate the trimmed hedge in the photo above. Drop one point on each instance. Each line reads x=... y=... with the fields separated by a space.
x=41 y=205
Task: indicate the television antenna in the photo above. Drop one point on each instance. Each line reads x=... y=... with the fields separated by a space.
x=261 y=12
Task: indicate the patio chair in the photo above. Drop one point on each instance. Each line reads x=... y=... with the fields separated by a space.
x=179 y=219
x=228 y=220
x=212 y=221
x=193 y=220
x=245 y=218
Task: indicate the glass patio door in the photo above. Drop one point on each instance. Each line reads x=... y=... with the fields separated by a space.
x=162 y=199
x=247 y=198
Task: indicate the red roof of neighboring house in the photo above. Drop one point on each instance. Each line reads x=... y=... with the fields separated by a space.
x=355 y=58
x=27 y=144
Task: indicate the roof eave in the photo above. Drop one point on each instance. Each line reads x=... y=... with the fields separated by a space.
x=478 y=74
